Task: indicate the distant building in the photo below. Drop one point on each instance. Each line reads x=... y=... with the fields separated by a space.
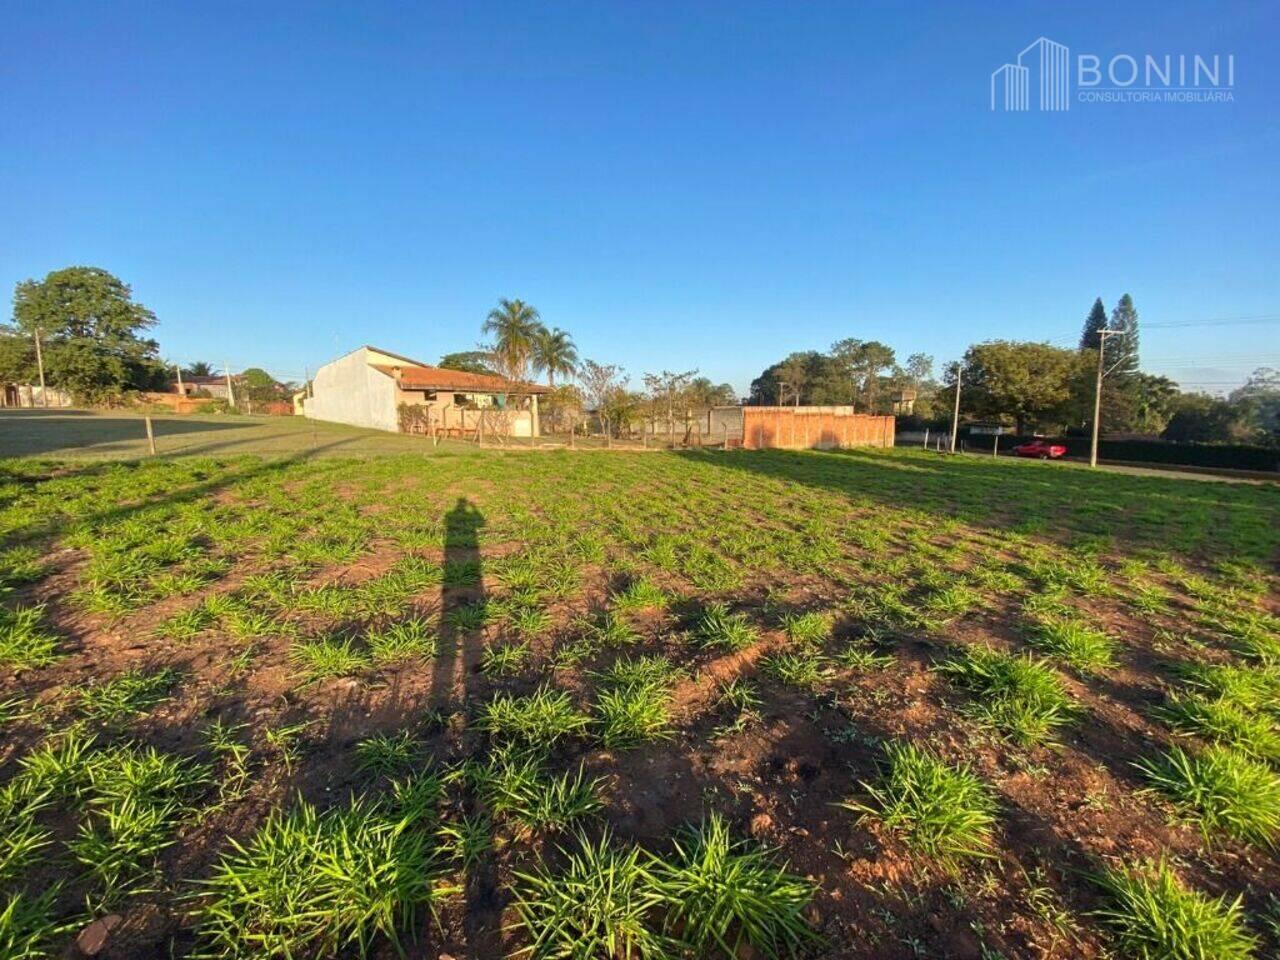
x=375 y=388
x=904 y=402
x=213 y=385
x=32 y=395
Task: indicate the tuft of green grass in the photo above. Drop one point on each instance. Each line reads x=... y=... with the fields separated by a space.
x=943 y=811
x=724 y=895
x=808 y=629
x=1021 y=697
x=133 y=799
x=129 y=695
x=329 y=657
x=952 y=601
x=505 y=660
x=860 y=655
x=517 y=785
x=404 y=640
x=540 y=719
x=798 y=668
x=29 y=927
x=468 y=617
x=1254 y=687
x=330 y=883
x=1087 y=650
x=634 y=714
x=1154 y=916
x=720 y=628
x=640 y=594
x=25 y=642
x=1225 y=721
x=385 y=754
x=467 y=840
x=1222 y=790
x=641 y=671
x=601 y=903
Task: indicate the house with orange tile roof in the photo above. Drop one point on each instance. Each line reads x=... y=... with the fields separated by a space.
x=375 y=388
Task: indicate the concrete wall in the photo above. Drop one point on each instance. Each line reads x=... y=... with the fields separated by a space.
x=350 y=391
x=31 y=395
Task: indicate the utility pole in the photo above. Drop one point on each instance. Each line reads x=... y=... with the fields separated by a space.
x=955 y=414
x=231 y=394
x=1097 y=396
x=44 y=394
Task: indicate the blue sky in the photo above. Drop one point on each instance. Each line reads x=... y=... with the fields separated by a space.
x=678 y=185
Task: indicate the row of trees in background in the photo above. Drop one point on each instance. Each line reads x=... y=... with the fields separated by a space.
x=861 y=373
x=1052 y=389
x=1031 y=386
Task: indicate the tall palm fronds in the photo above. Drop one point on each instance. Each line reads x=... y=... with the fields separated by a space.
x=554 y=353
x=515 y=326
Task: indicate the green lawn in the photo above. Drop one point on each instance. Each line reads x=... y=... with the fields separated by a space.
x=121 y=435
x=718 y=703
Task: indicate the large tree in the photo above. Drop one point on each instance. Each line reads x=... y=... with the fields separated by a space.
x=1027 y=382
x=1200 y=418
x=825 y=381
x=90 y=331
x=1094 y=323
x=1154 y=400
x=863 y=361
x=1259 y=400
x=256 y=387
x=792 y=377
x=198 y=369
x=469 y=361
x=514 y=326
x=554 y=354
x=1122 y=346
x=702 y=394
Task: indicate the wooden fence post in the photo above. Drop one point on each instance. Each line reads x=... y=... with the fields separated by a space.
x=151 y=437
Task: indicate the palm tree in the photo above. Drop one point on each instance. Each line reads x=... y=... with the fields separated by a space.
x=515 y=326
x=554 y=352
x=199 y=369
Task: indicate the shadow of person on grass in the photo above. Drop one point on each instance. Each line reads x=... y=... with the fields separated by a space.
x=461 y=590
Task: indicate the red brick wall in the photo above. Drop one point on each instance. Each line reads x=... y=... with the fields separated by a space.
x=797 y=428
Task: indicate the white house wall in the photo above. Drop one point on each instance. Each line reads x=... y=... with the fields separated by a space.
x=350 y=391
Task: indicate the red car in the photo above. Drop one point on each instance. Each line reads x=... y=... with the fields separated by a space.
x=1042 y=449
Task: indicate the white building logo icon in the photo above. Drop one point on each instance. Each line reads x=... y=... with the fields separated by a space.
x=1011 y=84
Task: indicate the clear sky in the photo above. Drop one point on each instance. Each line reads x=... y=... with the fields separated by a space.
x=677 y=184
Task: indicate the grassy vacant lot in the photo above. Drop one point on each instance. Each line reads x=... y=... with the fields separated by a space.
x=587 y=705
x=122 y=435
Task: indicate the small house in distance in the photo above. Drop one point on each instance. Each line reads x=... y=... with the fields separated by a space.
x=375 y=388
